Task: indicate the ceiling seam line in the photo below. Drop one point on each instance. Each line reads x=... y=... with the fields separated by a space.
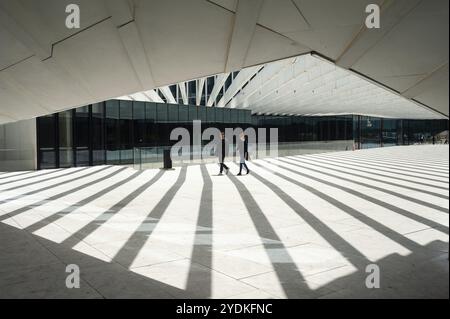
x=73 y=35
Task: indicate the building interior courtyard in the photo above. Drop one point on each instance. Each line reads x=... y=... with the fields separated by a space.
x=126 y=125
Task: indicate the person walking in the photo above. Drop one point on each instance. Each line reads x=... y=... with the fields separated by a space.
x=222 y=150
x=242 y=147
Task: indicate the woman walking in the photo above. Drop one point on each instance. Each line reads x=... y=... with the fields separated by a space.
x=243 y=153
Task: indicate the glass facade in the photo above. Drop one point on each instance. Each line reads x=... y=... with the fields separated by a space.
x=108 y=132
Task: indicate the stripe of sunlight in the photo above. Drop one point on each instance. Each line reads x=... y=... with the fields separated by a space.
x=390 y=157
x=38 y=194
x=59 y=200
x=327 y=216
x=385 y=178
x=81 y=209
x=32 y=180
x=233 y=231
x=421 y=177
x=5 y=175
x=394 y=174
x=111 y=225
x=127 y=251
x=402 y=204
x=334 y=208
x=413 y=156
x=203 y=241
x=287 y=279
x=378 y=203
x=392 y=154
x=426 y=200
x=358 y=214
x=40 y=182
x=414 y=172
x=419 y=152
x=310 y=234
x=171 y=226
x=175 y=230
x=402 y=167
x=394 y=165
x=409 y=164
x=37 y=174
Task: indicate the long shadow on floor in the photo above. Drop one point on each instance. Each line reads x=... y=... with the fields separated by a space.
x=398 y=238
x=401 y=166
x=74 y=171
x=129 y=251
x=290 y=278
x=202 y=250
x=381 y=189
x=401 y=276
x=16 y=174
x=390 y=174
x=65 y=193
x=28 y=177
x=402 y=172
x=414 y=275
x=368 y=198
x=354 y=172
x=92 y=226
x=23 y=278
x=64 y=182
x=66 y=211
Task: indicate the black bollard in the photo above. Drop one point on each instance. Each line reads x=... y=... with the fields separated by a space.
x=167 y=159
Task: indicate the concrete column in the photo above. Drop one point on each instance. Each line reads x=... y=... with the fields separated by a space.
x=18 y=146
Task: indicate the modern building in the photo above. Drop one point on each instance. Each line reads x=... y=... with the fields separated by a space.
x=114 y=131
x=356 y=93
x=305 y=98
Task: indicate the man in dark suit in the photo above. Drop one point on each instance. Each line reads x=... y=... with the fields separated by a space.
x=222 y=150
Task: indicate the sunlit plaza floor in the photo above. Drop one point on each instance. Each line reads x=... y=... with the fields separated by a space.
x=295 y=227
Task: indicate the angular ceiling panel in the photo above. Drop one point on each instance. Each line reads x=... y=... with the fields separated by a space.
x=12 y=53
x=179 y=46
x=415 y=47
x=44 y=20
x=282 y=16
x=101 y=50
x=127 y=46
x=267 y=46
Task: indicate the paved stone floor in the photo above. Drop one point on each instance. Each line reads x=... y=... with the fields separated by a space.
x=296 y=227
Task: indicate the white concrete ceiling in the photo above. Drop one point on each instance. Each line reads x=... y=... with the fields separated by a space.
x=128 y=46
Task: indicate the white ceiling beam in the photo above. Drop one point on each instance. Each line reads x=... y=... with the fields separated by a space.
x=218 y=84
x=270 y=71
x=243 y=77
x=302 y=66
x=200 y=86
x=165 y=90
x=245 y=19
x=182 y=87
x=139 y=97
x=125 y=97
x=153 y=96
